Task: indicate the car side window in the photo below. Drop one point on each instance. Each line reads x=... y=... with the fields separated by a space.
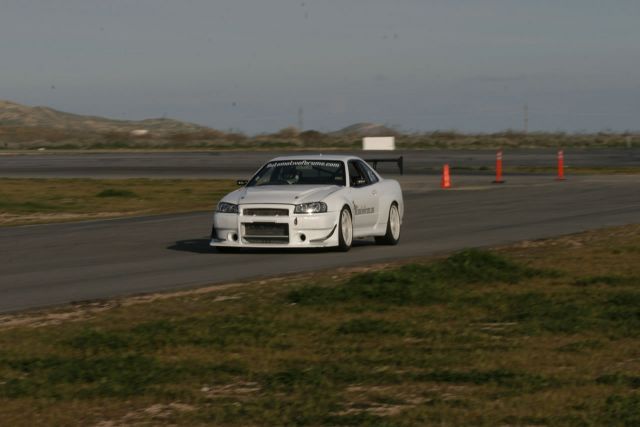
x=358 y=176
x=373 y=178
x=354 y=174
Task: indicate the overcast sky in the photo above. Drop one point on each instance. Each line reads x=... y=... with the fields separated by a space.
x=468 y=65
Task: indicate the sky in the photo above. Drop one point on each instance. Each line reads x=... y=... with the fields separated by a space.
x=250 y=65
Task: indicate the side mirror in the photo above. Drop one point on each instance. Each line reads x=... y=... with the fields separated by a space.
x=242 y=182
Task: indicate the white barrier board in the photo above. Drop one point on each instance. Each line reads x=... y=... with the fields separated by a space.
x=379 y=143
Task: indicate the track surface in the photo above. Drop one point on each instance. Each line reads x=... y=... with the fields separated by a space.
x=55 y=264
x=236 y=165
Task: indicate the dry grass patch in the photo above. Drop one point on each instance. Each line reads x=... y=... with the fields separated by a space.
x=32 y=201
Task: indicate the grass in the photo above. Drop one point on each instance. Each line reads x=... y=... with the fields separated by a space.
x=578 y=170
x=30 y=201
x=539 y=333
x=419 y=284
x=569 y=170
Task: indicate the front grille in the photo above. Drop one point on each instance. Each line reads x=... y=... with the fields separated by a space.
x=267 y=240
x=266 y=232
x=265 y=212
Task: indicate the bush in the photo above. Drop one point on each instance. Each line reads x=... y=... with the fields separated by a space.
x=419 y=284
x=113 y=192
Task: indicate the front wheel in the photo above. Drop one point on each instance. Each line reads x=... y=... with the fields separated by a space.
x=345 y=230
x=392 y=235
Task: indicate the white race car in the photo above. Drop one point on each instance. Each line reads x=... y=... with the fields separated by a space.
x=309 y=202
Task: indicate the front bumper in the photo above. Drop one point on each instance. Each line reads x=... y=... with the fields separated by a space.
x=283 y=231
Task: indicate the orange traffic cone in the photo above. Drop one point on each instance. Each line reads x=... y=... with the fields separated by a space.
x=446 y=178
x=560 y=176
x=499 y=179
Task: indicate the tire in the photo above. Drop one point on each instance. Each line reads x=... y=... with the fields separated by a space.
x=345 y=230
x=227 y=249
x=392 y=236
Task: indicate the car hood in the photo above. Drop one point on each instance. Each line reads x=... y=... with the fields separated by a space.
x=281 y=194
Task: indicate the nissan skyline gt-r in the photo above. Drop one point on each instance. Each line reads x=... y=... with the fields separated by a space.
x=309 y=202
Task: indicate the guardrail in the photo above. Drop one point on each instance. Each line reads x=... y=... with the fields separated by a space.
x=397 y=160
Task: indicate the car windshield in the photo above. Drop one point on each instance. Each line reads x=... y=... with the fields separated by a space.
x=300 y=172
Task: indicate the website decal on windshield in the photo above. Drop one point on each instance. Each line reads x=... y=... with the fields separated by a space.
x=321 y=163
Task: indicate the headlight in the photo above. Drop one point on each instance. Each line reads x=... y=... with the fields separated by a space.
x=314 y=207
x=224 y=207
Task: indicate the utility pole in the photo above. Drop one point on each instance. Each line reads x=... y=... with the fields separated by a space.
x=300 y=119
x=526 y=118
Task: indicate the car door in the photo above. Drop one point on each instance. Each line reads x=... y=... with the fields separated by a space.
x=374 y=184
x=364 y=195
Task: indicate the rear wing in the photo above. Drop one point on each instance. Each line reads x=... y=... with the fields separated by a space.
x=397 y=160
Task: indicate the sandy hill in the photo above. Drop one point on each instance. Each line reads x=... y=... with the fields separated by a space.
x=366 y=129
x=18 y=115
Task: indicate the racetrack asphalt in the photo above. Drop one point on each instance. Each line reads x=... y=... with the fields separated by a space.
x=241 y=165
x=46 y=265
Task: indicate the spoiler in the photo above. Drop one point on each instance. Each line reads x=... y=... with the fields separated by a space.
x=397 y=160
